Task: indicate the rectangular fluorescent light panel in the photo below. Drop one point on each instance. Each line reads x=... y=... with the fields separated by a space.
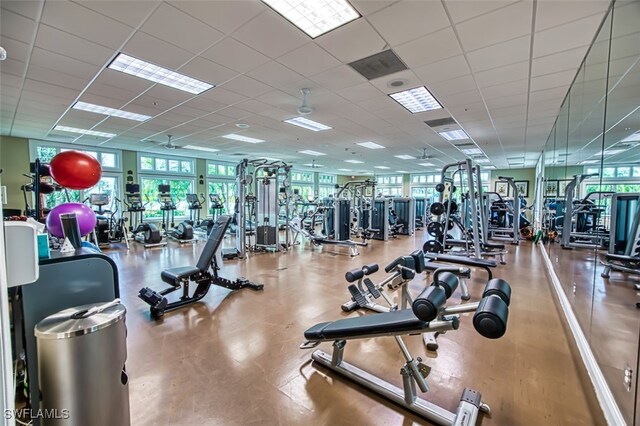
x=416 y=100
x=354 y=161
x=589 y=162
x=84 y=131
x=610 y=152
x=139 y=68
x=454 y=135
x=345 y=170
x=200 y=148
x=472 y=151
x=402 y=171
x=242 y=138
x=315 y=17
x=370 y=145
x=98 y=109
x=426 y=164
x=482 y=160
x=405 y=157
x=490 y=167
x=634 y=137
x=381 y=167
x=310 y=152
x=313 y=165
x=305 y=123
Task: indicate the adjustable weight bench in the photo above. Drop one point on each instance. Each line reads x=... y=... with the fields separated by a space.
x=428 y=313
x=180 y=277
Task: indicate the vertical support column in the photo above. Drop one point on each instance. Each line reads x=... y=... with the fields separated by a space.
x=474 y=209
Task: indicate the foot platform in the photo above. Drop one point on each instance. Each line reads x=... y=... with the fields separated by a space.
x=155 y=300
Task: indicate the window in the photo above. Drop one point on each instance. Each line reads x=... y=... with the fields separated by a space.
x=45 y=151
x=302 y=177
x=327 y=179
x=326 y=191
x=226 y=190
x=221 y=169
x=165 y=165
x=179 y=190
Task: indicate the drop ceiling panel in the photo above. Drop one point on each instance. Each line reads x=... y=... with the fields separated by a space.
x=429 y=49
x=555 y=13
x=235 y=55
x=508 y=89
x=443 y=70
x=16 y=50
x=176 y=27
x=501 y=75
x=561 y=61
x=57 y=41
x=498 y=55
x=220 y=95
x=28 y=9
x=564 y=37
x=151 y=49
x=550 y=81
x=308 y=60
x=253 y=106
x=208 y=71
x=271 y=34
x=47 y=89
x=16 y=26
x=405 y=21
x=351 y=42
x=13 y=67
x=224 y=15
x=462 y=10
x=359 y=92
x=46 y=59
x=275 y=75
x=338 y=78
x=131 y=13
x=442 y=89
x=85 y=23
x=47 y=75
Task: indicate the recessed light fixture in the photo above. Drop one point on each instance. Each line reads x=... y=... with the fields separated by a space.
x=370 y=145
x=490 y=167
x=405 y=157
x=610 y=151
x=354 y=161
x=139 y=68
x=313 y=165
x=242 y=138
x=426 y=164
x=482 y=160
x=589 y=162
x=454 y=135
x=200 y=148
x=307 y=124
x=84 y=131
x=472 y=151
x=632 y=137
x=381 y=167
x=242 y=125
x=315 y=17
x=345 y=170
x=310 y=152
x=402 y=171
x=416 y=100
x=98 y=109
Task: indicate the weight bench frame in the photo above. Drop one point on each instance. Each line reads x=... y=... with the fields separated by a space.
x=413 y=374
x=204 y=274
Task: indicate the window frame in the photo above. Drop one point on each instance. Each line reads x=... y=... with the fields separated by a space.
x=34 y=144
x=155 y=157
x=170 y=177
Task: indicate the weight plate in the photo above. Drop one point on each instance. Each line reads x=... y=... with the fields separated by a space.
x=435 y=229
x=437 y=209
x=432 y=246
x=440 y=187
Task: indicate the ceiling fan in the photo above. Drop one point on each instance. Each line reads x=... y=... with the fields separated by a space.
x=305 y=108
x=168 y=144
x=425 y=156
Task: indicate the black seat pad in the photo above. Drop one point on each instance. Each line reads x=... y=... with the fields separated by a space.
x=461 y=260
x=496 y=246
x=394 y=322
x=623 y=258
x=172 y=275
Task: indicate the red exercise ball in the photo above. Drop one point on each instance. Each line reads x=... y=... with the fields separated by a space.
x=75 y=170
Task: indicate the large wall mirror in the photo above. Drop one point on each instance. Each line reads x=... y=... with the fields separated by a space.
x=591 y=199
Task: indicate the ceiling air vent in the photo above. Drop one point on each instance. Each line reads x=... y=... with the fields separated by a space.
x=464 y=145
x=441 y=122
x=378 y=65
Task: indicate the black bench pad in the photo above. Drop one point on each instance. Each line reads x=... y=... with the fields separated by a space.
x=394 y=322
x=496 y=246
x=461 y=260
x=623 y=258
x=172 y=275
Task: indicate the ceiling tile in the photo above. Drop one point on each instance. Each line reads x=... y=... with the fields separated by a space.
x=508 y=89
x=50 y=76
x=46 y=59
x=131 y=13
x=549 y=81
x=553 y=13
x=235 y=55
x=461 y=10
x=247 y=86
x=443 y=70
x=429 y=49
x=223 y=15
x=275 y=75
x=308 y=60
x=453 y=86
x=367 y=7
x=206 y=70
x=407 y=21
x=498 y=55
x=505 y=74
x=339 y=78
x=61 y=42
x=353 y=41
x=16 y=27
x=85 y=23
x=151 y=49
x=28 y=9
x=16 y=50
x=562 y=61
x=176 y=27
x=117 y=85
x=360 y=92
x=271 y=34
x=569 y=36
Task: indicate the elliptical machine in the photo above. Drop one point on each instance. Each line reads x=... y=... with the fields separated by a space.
x=109 y=229
x=183 y=233
x=147 y=234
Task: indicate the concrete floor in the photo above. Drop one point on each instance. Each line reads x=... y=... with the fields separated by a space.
x=235 y=360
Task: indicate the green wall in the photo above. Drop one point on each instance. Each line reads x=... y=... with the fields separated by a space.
x=516 y=174
x=129 y=163
x=14 y=162
x=201 y=170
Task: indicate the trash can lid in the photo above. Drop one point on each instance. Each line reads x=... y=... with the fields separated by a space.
x=79 y=321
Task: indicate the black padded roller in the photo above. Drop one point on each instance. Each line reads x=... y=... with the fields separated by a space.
x=490 y=319
x=500 y=288
x=448 y=281
x=354 y=275
x=426 y=306
x=370 y=268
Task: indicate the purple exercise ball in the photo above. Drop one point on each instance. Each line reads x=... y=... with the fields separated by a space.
x=85 y=216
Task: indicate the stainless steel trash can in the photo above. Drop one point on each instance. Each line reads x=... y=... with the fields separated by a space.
x=81 y=358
